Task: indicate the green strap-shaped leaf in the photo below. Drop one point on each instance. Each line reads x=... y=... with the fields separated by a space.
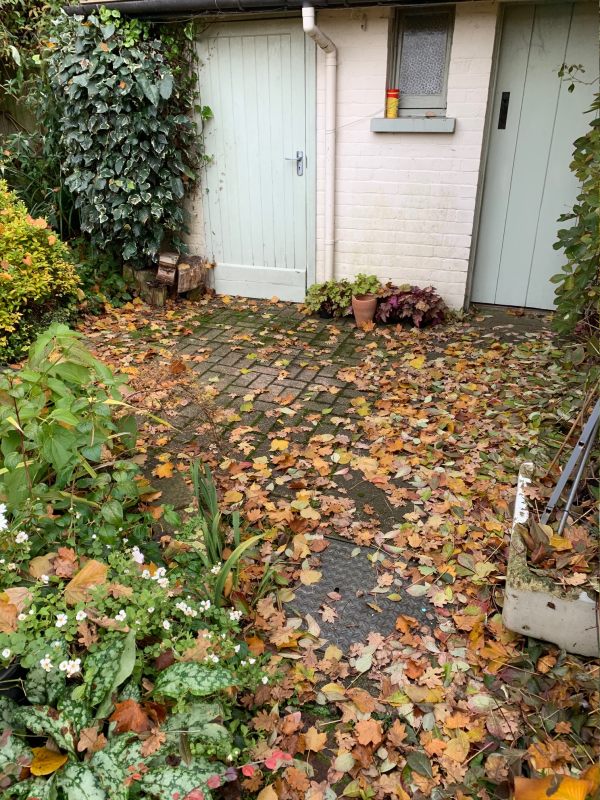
x=111 y=764
x=107 y=668
x=78 y=782
x=47 y=721
x=169 y=782
x=193 y=717
x=187 y=678
x=77 y=712
x=39 y=788
x=44 y=688
x=126 y=665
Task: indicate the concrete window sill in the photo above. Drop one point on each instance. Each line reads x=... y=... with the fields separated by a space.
x=413 y=125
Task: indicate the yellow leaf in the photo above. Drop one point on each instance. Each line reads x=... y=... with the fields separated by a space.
x=310 y=513
x=561 y=543
x=592 y=775
x=93 y=574
x=41 y=565
x=268 y=793
x=279 y=444
x=313 y=740
x=417 y=362
x=163 y=470
x=332 y=653
x=556 y=787
x=46 y=761
x=309 y=576
x=458 y=748
x=232 y=496
x=334 y=691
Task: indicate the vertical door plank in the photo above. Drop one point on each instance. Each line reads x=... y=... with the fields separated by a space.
x=512 y=67
x=547 y=52
x=561 y=186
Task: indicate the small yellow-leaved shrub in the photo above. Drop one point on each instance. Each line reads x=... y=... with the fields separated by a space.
x=37 y=274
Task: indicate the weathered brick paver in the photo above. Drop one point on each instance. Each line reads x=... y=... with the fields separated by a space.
x=294 y=416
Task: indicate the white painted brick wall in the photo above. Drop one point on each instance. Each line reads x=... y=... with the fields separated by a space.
x=405 y=202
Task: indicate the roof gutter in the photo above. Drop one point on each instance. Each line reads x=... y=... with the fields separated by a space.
x=312 y=30
x=171 y=8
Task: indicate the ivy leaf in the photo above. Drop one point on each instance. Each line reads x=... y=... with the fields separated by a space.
x=106 y=668
x=188 y=678
x=165 y=86
x=111 y=765
x=150 y=90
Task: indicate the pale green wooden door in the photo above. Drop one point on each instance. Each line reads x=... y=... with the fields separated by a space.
x=535 y=120
x=252 y=75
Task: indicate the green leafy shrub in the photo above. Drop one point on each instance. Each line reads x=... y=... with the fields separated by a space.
x=30 y=163
x=365 y=284
x=101 y=279
x=129 y=151
x=64 y=447
x=330 y=299
x=578 y=285
x=37 y=274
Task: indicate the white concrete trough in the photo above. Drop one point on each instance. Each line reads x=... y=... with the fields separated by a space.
x=536 y=605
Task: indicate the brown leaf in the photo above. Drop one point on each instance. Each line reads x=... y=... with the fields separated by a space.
x=42 y=565
x=65 y=564
x=90 y=739
x=12 y=602
x=92 y=574
x=153 y=743
x=87 y=634
x=313 y=740
x=268 y=793
x=296 y=779
x=130 y=716
x=291 y=723
x=362 y=700
x=397 y=734
x=117 y=590
x=368 y=731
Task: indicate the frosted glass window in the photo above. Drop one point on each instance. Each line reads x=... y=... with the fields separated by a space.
x=419 y=57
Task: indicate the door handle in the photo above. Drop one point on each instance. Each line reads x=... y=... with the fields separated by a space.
x=299 y=159
x=504 y=101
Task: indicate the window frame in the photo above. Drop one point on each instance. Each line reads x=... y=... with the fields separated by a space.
x=418 y=104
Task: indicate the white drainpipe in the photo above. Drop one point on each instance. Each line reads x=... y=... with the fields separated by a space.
x=330 y=50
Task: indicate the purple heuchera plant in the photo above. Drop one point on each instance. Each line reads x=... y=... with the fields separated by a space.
x=420 y=306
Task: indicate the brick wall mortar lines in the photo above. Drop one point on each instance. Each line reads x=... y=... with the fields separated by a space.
x=405 y=202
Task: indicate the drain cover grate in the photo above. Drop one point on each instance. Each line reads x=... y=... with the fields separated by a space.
x=348 y=576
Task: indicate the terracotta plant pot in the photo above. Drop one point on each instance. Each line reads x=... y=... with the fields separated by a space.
x=364 y=306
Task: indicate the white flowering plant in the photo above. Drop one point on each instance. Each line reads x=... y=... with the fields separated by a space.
x=128 y=666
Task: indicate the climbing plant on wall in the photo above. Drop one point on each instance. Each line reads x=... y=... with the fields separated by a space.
x=130 y=145
x=578 y=285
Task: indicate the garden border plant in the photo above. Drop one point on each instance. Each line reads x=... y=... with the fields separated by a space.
x=578 y=285
x=130 y=669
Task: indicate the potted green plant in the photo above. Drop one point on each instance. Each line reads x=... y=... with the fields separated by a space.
x=364 y=297
x=330 y=299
